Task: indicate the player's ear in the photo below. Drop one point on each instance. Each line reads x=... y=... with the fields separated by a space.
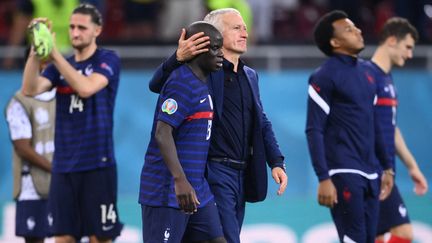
x=334 y=43
x=392 y=40
x=98 y=30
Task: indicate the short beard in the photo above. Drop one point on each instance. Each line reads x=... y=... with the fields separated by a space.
x=78 y=47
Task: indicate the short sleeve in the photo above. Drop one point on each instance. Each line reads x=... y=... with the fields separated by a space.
x=108 y=64
x=52 y=74
x=18 y=121
x=175 y=102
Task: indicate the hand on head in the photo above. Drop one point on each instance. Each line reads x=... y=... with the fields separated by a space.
x=192 y=46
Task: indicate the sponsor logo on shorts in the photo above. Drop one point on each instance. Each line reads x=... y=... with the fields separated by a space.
x=30 y=223
x=107 y=228
x=50 y=219
x=166 y=235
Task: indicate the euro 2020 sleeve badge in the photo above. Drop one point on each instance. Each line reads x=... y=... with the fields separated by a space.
x=169 y=106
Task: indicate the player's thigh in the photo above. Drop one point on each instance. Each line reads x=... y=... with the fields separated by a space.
x=31 y=219
x=403 y=231
x=349 y=214
x=204 y=225
x=98 y=198
x=163 y=224
x=393 y=212
x=63 y=205
x=227 y=186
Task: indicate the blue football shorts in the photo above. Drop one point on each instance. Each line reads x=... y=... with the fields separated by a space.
x=393 y=212
x=31 y=219
x=165 y=224
x=84 y=204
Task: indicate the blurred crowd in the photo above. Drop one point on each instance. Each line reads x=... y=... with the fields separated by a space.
x=142 y=22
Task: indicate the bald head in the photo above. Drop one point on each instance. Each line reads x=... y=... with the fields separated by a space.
x=211 y=60
x=202 y=26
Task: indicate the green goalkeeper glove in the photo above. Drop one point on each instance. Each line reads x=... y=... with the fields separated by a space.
x=41 y=39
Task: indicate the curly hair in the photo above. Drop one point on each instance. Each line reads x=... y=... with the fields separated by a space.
x=323 y=31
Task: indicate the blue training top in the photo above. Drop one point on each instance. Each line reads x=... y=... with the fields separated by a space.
x=385 y=107
x=186 y=105
x=84 y=126
x=341 y=130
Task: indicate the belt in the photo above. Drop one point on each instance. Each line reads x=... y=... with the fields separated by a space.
x=232 y=163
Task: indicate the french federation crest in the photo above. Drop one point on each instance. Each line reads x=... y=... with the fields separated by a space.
x=169 y=106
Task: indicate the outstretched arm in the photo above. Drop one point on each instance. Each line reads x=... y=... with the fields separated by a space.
x=187 y=49
x=420 y=182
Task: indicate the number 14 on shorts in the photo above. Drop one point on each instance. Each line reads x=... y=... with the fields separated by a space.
x=108 y=213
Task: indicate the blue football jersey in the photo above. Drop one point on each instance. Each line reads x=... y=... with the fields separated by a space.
x=386 y=107
x=186 y=105
x=84 y=126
